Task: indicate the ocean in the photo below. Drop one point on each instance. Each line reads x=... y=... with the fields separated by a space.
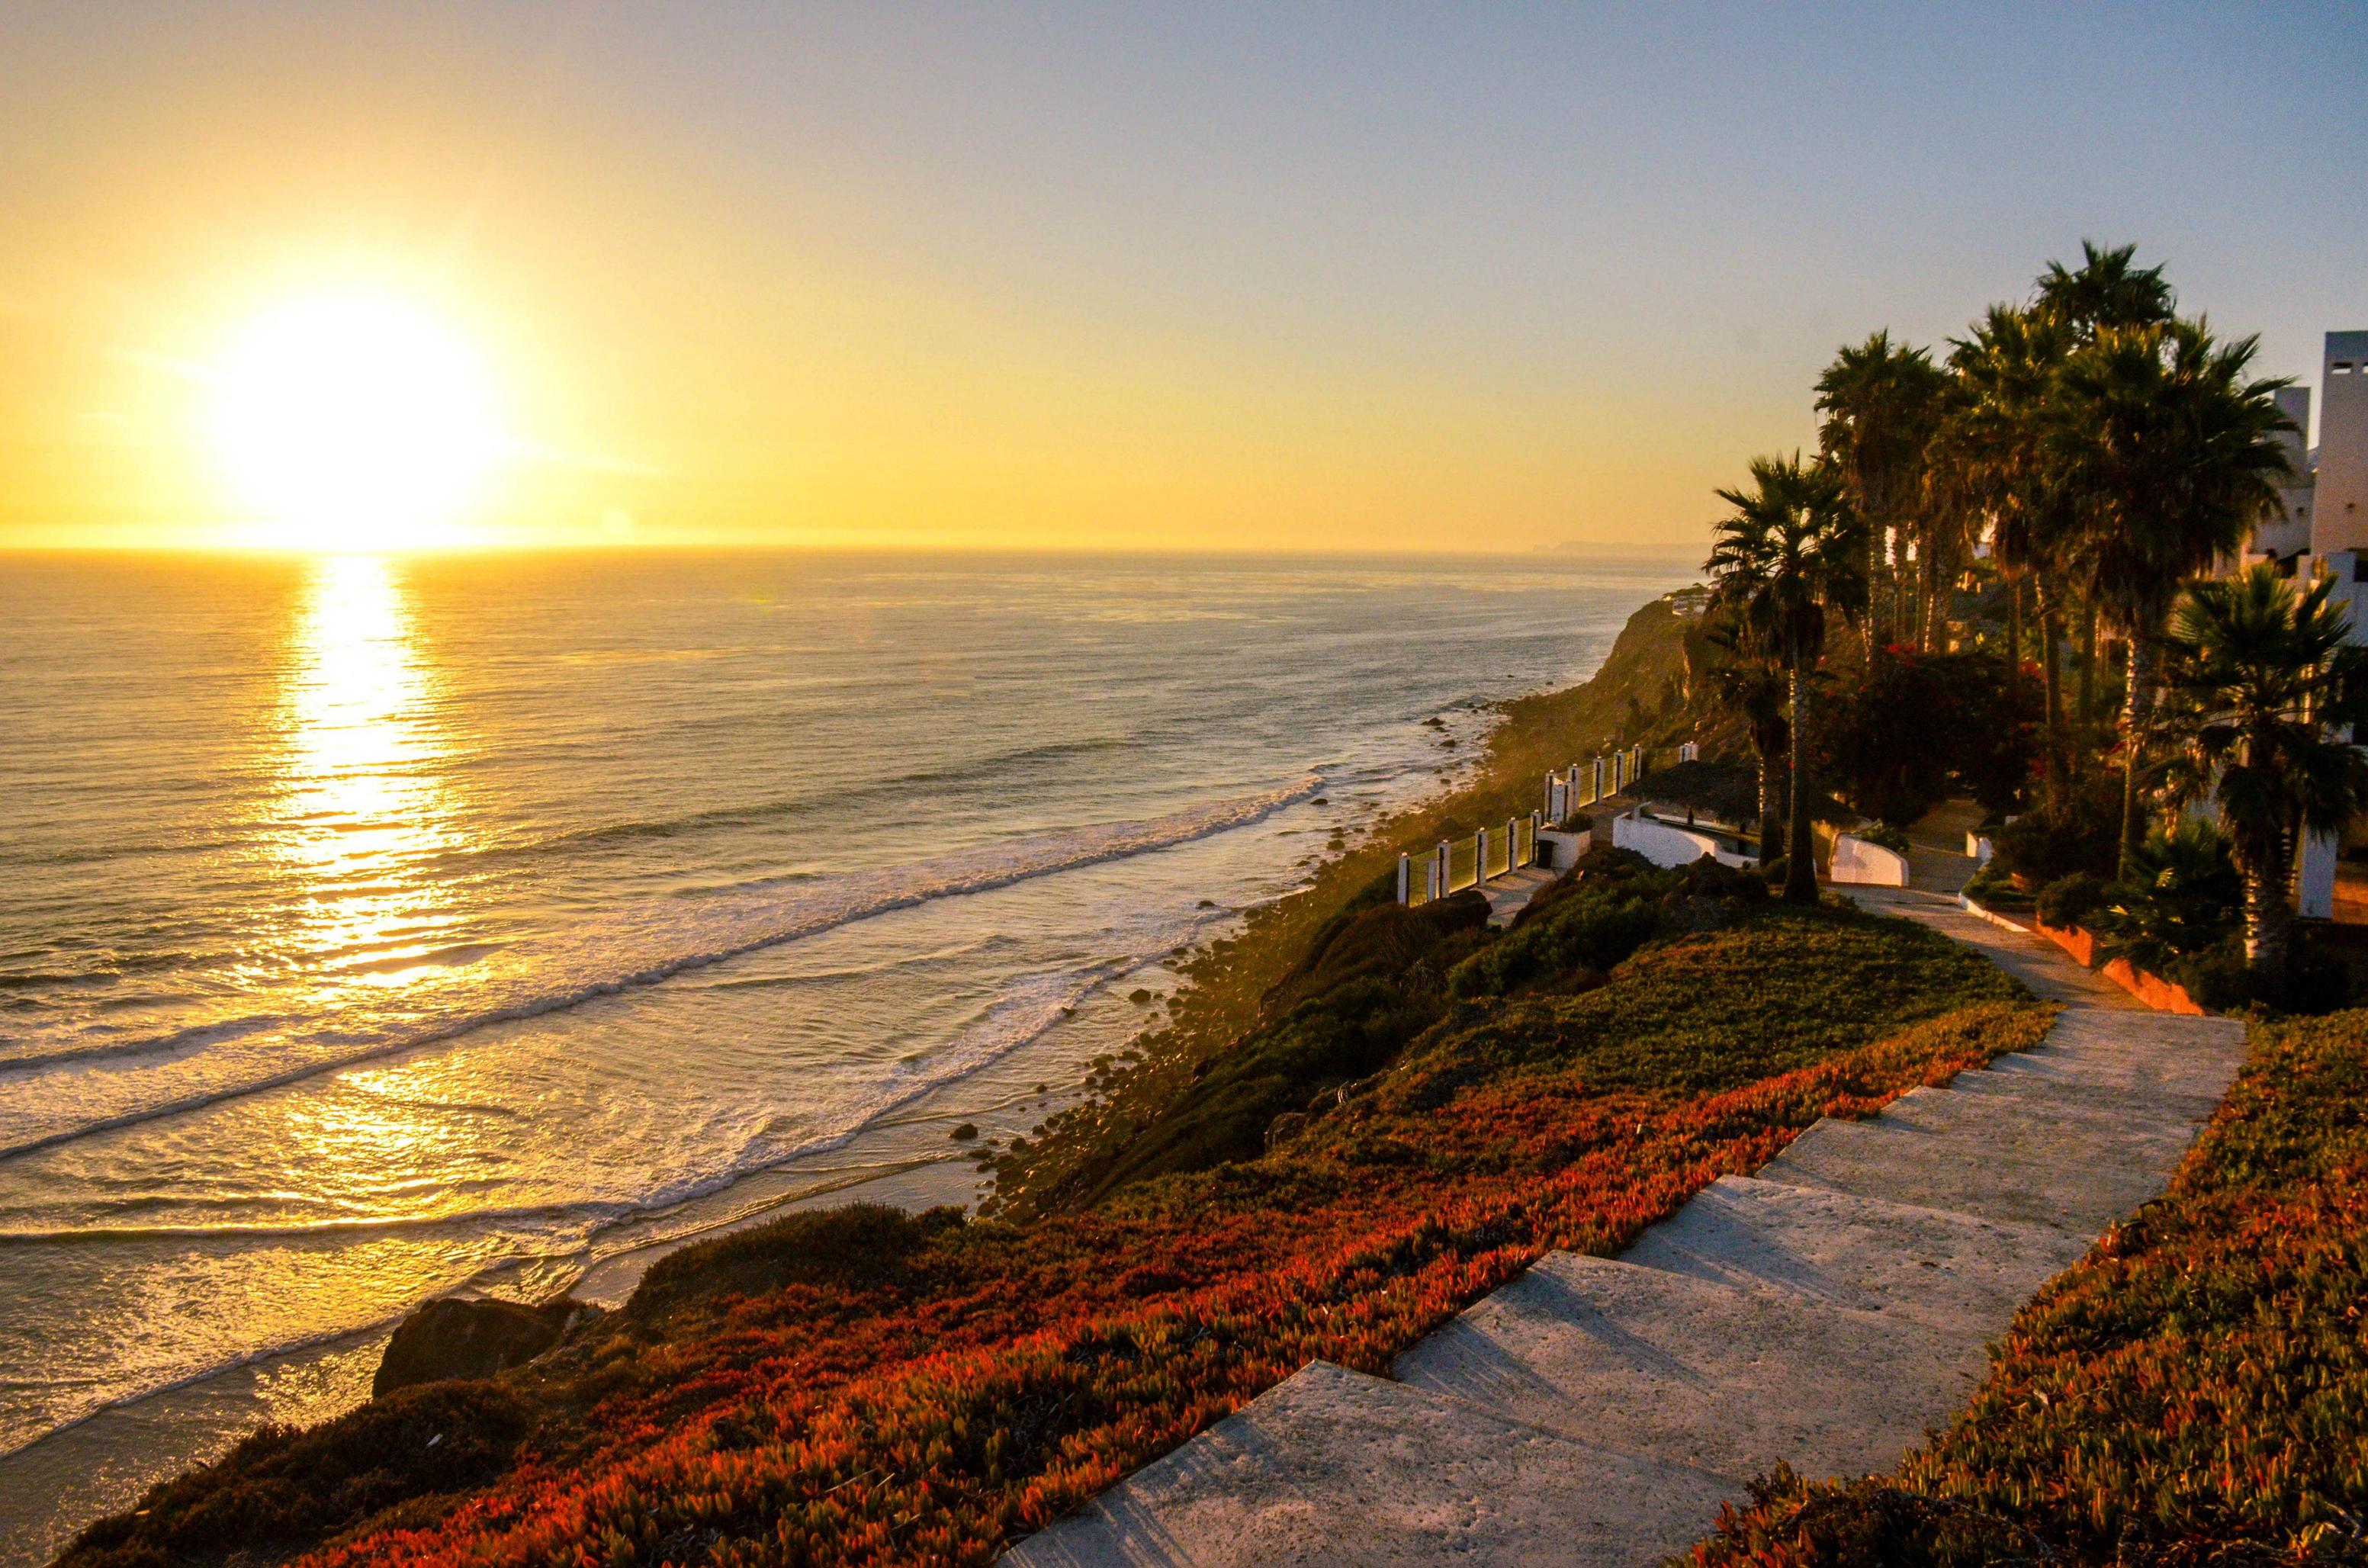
x=374 y=929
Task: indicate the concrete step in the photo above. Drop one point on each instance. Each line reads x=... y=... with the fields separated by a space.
x=1334 y=1467
x=1727 y=1380
x=1997 y=1156
x=1956 y=1272
x=2100 y=1093
x=2199 y=1055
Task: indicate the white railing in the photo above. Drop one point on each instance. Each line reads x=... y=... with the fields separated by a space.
x=1572 y=790
x=1460 y=863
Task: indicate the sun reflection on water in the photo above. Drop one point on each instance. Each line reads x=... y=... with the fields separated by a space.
x=362 y=801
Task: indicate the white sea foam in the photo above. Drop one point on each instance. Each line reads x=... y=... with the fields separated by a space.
x=69 y=1096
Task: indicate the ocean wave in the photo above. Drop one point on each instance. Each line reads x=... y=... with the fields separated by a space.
x=637 y=950
x=789 y=808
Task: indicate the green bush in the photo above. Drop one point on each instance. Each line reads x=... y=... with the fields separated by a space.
x=2080 y=833
x=2316 y=981
x=2182 y=897
x=1584 y=935
x=2071 y=901
x=278 y=1486
x=1993 y=888
x=1375 y=978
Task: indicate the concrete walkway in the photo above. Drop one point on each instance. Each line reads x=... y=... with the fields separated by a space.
x=1825 y=1312
x=1509 y=893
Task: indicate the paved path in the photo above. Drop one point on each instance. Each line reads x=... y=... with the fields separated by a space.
x=1509 y=894
x=1824 y=1312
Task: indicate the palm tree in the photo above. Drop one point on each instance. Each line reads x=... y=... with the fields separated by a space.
x=1748 y=681
x=2106 y=290
x=1880 y=403
x=1987 y=459
x=2169 y=455
x=2260 y=682
x=1792 y=556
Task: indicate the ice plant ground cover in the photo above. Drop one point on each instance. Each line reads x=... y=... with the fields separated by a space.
x=2194 y=1391
x=863 y=1386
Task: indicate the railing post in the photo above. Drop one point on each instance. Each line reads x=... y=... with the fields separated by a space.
x=1599 y=776
x=1480 y=858
x=1405 y=876
x=1442 y=863
x=1512 y=847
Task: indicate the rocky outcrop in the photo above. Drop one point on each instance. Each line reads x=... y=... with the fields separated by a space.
x=458 y=1338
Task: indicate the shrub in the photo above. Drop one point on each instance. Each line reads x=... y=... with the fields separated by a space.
x=2183 y=896
x=1993 y=888
x=2082 y=833
x=858 y=1246
x=279 y=1486
x=2316 y=981
x=2071 y=901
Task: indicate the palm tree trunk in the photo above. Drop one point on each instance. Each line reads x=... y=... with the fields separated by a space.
x=2014 y=637
x=2269 y=924
x=2088 y=659
x=2051 y=676
x=1800 y=865
x=1771 y=811
x=2135 y=706
x=1928 y=581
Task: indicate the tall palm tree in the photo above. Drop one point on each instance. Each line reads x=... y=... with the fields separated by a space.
x=1791 y=558
x=1880 y=401
x=2170 y=454
x=2107 y=290
x=1987 y=455
x=1748 y=681
x=2261 y=684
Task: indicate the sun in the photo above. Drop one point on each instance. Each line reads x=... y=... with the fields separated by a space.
x=355 y=420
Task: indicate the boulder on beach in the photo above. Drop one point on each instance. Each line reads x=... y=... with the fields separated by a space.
x=460 y=1338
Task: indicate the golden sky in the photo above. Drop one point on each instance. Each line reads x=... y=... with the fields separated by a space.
x=927 y=278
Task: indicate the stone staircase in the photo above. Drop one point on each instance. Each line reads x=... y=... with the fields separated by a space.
x=1509 y=893
x=1825 y=1312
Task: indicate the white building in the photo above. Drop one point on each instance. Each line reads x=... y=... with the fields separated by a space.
x=2326 y=525
x=2326 y=528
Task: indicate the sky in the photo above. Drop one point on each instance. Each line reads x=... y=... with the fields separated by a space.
x=1274 y=276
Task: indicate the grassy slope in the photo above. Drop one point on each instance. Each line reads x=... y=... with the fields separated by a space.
x=1068 y=1161
x=2194 y=1392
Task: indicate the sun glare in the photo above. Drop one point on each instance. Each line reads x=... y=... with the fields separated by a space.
x=355 y=421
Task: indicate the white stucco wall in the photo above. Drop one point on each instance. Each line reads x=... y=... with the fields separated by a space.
x=1665 y=844
x=1867 y=865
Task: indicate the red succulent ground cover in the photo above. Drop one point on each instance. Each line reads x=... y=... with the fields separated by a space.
x=928 y=1389
x=2194 y=1392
